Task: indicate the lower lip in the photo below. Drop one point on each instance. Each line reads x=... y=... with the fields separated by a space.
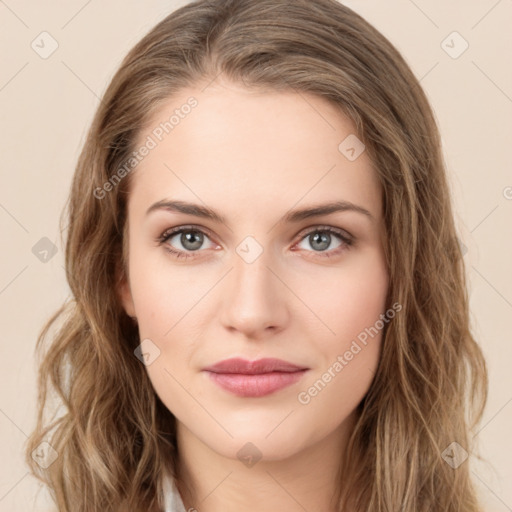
x=255 y=385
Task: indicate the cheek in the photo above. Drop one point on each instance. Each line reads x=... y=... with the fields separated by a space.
x=163 y=293
x=350 y=300
x=351 y=306
x=167 y=300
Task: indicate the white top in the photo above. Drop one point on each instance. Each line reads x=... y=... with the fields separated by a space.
x=172 y=498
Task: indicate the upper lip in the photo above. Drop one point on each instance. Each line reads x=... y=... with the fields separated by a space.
x=243 y=366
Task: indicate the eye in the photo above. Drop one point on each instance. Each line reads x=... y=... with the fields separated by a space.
x=321 y=238
x=190 y=239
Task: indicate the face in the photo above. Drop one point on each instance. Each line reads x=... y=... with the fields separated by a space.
x=244 y=274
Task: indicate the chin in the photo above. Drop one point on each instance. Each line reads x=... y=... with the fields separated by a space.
x=278 y=442
x=255 y=447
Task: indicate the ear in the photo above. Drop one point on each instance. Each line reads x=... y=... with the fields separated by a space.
x=124 y=293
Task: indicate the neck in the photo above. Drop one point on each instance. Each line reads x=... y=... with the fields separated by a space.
x=307 y=480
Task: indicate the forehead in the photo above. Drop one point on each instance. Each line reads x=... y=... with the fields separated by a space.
x=238 y=148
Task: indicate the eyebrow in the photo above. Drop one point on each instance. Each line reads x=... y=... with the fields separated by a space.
x=292 y=216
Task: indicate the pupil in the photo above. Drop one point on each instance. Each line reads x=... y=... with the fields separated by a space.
x=191 y=240
x=325 y=239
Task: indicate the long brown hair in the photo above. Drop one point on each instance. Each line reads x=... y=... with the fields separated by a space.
x=113 y=437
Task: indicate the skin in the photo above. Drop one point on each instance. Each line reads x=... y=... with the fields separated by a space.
x=253 y=156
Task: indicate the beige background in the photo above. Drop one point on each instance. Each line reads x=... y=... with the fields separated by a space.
x=47 y=105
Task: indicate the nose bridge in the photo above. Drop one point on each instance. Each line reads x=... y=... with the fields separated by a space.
x=254 y=300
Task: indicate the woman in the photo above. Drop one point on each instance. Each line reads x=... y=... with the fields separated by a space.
x=269 y=304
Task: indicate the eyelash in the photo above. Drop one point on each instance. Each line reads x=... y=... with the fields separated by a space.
x=346 y=241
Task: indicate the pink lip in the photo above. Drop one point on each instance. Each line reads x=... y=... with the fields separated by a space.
x=254 y=378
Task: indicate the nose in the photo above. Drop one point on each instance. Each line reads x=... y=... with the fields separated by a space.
x=255 y=299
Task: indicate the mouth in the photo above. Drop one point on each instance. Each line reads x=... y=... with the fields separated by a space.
x=254 y=378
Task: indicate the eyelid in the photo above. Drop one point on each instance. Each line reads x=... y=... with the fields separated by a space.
x=324 y=227
x=186 y=227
